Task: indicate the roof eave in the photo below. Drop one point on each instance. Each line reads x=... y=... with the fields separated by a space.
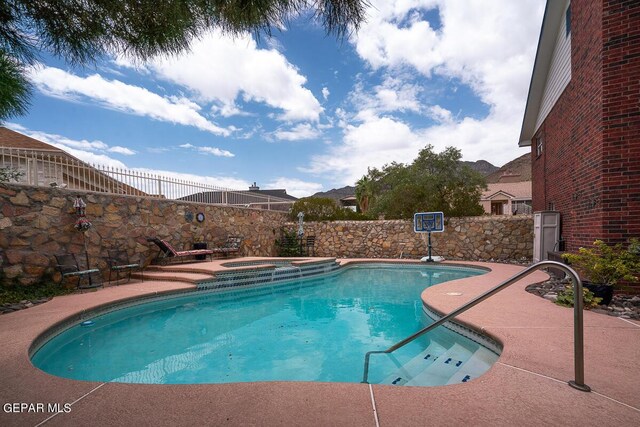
x=552 y=15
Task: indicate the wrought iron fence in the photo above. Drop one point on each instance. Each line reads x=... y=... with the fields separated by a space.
x=41 y=168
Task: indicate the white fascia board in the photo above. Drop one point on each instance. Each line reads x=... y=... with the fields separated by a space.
x=553 y=14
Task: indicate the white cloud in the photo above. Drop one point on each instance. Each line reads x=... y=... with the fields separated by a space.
x=439 y=114
x=221 y=69
x=488 y=46
x=373 y=143
x=394 y=94
x=296 y=187
x=121 y=150
x=87 y=151
x=119 y=96
x=103 y=160
x=299 y=132
x=325 y=93
x=209 y=150
x=222 y=182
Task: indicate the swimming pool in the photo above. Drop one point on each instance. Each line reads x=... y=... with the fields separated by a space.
x=309 y=330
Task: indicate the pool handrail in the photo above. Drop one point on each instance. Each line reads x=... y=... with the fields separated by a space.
x=578 y=335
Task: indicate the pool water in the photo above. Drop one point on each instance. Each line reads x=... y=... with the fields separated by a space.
x=311 y=330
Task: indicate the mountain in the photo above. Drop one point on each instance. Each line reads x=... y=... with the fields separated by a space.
x=517 y=170
x=482 y=166
x=337 y=193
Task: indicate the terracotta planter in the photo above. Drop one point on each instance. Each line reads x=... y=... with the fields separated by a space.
x=601 y=291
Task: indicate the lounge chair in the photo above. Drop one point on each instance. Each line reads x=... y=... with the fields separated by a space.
x=167 y=251
x=119 y=262
x=69 y=267
x=231 y=246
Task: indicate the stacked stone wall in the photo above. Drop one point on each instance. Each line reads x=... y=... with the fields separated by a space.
x=36 y=223
x=471 y=238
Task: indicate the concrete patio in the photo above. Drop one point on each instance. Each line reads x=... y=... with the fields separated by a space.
x=527 y=386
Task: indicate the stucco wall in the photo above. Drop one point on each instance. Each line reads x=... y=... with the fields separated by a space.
x=471 y=238
x=36 y=223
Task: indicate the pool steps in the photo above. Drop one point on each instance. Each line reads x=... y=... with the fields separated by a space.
x=241 y=273
x=416 y=365
x=478 y=364
x=437 y=365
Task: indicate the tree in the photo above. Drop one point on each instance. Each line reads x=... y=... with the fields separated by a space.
x=364 y=193
x=80 y=32
x=321 y=209
x=433 y=182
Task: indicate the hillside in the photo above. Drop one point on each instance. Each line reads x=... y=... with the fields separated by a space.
x=517 y=170
x=337 y=193
x=482 y=166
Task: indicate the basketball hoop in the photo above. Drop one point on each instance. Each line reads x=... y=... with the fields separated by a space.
x=428 y=222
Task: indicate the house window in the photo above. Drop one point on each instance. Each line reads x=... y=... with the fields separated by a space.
x=567 y=21
x=539 y=146
x=551 y=206
x=521 y=207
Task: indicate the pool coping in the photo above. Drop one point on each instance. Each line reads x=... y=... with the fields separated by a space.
x=526 y=386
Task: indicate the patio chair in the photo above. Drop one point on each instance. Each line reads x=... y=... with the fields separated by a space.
x=118 y=260
x=231 y=246
x=69 y=267
x=167 y=251
x=310 y=246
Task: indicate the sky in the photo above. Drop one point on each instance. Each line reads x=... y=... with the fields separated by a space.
x=301 y=110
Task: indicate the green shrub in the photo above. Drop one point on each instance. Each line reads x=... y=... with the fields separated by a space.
x=12 y=291
x=565 y=298
x=17 y=293
x=607 y=265
x=322 y=209
x=288 y=244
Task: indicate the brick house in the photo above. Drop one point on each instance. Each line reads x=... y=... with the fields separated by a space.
x=582 y=119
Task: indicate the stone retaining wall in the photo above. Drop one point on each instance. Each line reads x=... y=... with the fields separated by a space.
x=36 y=223
x=471 y=238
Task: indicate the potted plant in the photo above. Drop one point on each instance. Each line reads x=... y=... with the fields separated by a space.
x=604 y=266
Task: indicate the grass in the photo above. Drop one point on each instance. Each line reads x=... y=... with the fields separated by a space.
x=16 y=293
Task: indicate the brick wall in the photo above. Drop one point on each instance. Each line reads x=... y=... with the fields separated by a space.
x=590 y=167
x=621 y=120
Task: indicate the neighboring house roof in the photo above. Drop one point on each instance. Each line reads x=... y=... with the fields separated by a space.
x=17 y=142
x=281 y=193
x=253 y=196
x=13 y=139
x=510 y=190
x=553 y=15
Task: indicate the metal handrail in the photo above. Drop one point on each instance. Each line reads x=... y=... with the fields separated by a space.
x=578 y=341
